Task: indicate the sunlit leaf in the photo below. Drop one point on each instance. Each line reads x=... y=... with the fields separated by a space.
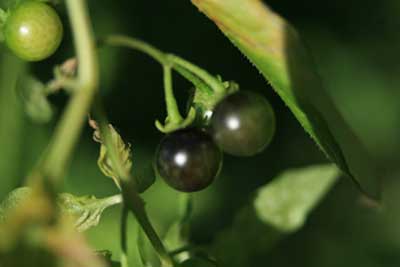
x=275 y=48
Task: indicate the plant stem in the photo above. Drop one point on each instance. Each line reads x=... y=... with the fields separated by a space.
x=172 y=107
x=67 y=132
x=199 y=77
x=124 y=237
x=113 y=200
x=213 y=82
x=119 y=40
x=131 y=197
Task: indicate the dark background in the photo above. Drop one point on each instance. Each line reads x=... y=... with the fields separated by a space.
x=355 y=47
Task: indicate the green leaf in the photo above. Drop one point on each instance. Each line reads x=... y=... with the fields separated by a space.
x=124 y=150
x=275 y=48
x=144 y=174
x=286 y=201
x=85 y=210
x=33 y=95
x=279 y=208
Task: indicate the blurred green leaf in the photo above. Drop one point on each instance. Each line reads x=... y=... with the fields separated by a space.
x=13 y=200
x=279 y=208
x=33 y=236
x=33 y=95
x=286 y=201
x=274 y=47
x=85 y=210
x=3 y=17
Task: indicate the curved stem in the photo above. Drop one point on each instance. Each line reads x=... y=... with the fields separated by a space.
x=199 y=77
x=124 y=41
x=172 y=107
x=60 y=149
x=213 y=82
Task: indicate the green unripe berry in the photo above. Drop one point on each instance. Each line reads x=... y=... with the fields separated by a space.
x=33 y=30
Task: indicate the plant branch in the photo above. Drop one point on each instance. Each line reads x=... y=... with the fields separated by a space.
x=172 y=107
x=124 y=41
x=130 y=194
x=199 y=77
x=60 y=149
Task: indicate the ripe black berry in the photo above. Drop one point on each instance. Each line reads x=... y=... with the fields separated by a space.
x=188 y=160
x=243 y=124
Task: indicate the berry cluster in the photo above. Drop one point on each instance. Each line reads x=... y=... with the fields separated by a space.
x=188 y=159
x=242 y=124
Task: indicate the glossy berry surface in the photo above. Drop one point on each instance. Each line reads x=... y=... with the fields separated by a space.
x=243 y=124
x=33 y=30
x=188 y=160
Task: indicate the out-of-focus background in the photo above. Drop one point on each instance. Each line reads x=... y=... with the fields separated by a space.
x=355 y=48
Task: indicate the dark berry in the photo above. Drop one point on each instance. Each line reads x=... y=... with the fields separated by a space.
x=243 y=124
x=188 y=160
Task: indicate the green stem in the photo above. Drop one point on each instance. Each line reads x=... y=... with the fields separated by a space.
x=131 y=197
x=172 y=107
x=124 y=237
x=213 y=82
x=124 y=41
x=113 y=200
x=185 y=207
x=67 y=132
x=199 y=77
